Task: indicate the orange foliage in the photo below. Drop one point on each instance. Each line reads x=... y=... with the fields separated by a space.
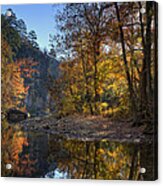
x=14 y=90
x=12 y=145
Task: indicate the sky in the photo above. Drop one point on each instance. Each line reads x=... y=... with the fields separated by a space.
x=37 y=17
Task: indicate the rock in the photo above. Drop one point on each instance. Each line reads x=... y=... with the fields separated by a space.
x=128 y=135
x=137 y=140
x=14 y=115
x=46 y=127
x=37 y=119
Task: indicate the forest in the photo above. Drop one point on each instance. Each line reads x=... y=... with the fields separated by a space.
x=109 y=60
x=106 y=63
x=101 y=72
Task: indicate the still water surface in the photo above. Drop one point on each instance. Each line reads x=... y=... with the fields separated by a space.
x=35 y=154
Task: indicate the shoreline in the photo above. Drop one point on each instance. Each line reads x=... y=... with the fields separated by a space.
x=88 y=128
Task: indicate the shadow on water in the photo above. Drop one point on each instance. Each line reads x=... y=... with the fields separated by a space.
x=34 y=154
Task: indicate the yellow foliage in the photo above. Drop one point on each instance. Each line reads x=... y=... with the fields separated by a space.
x=100 y=151
x=112 y=154
x=139 y=39
x=104 y=104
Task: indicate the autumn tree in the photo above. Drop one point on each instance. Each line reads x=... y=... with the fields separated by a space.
x=83 y=30
x=135 y=33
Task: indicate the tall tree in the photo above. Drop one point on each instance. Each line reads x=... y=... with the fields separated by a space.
x=130 y=85
x=33 y=38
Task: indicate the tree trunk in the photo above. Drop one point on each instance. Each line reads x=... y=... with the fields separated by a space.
x=146 y=90
x=86 y=84
x=149 y=7
x=143 y=82
x=130 y=86
x=96 y=53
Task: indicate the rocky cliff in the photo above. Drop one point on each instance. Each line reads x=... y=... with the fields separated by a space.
x=37 y=102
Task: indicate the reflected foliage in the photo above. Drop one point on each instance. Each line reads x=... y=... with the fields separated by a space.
x=92 y=160
x=14 y=143
x=41 y=155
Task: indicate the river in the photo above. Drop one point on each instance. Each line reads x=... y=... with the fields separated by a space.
x=37 y=154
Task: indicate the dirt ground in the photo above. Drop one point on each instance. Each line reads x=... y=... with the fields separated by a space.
x=88 y=128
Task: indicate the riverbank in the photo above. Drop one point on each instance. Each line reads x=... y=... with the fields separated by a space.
x=88 y=128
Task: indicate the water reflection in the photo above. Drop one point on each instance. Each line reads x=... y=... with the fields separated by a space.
x=15 y=152
x=92 y=160
x=34 y=154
